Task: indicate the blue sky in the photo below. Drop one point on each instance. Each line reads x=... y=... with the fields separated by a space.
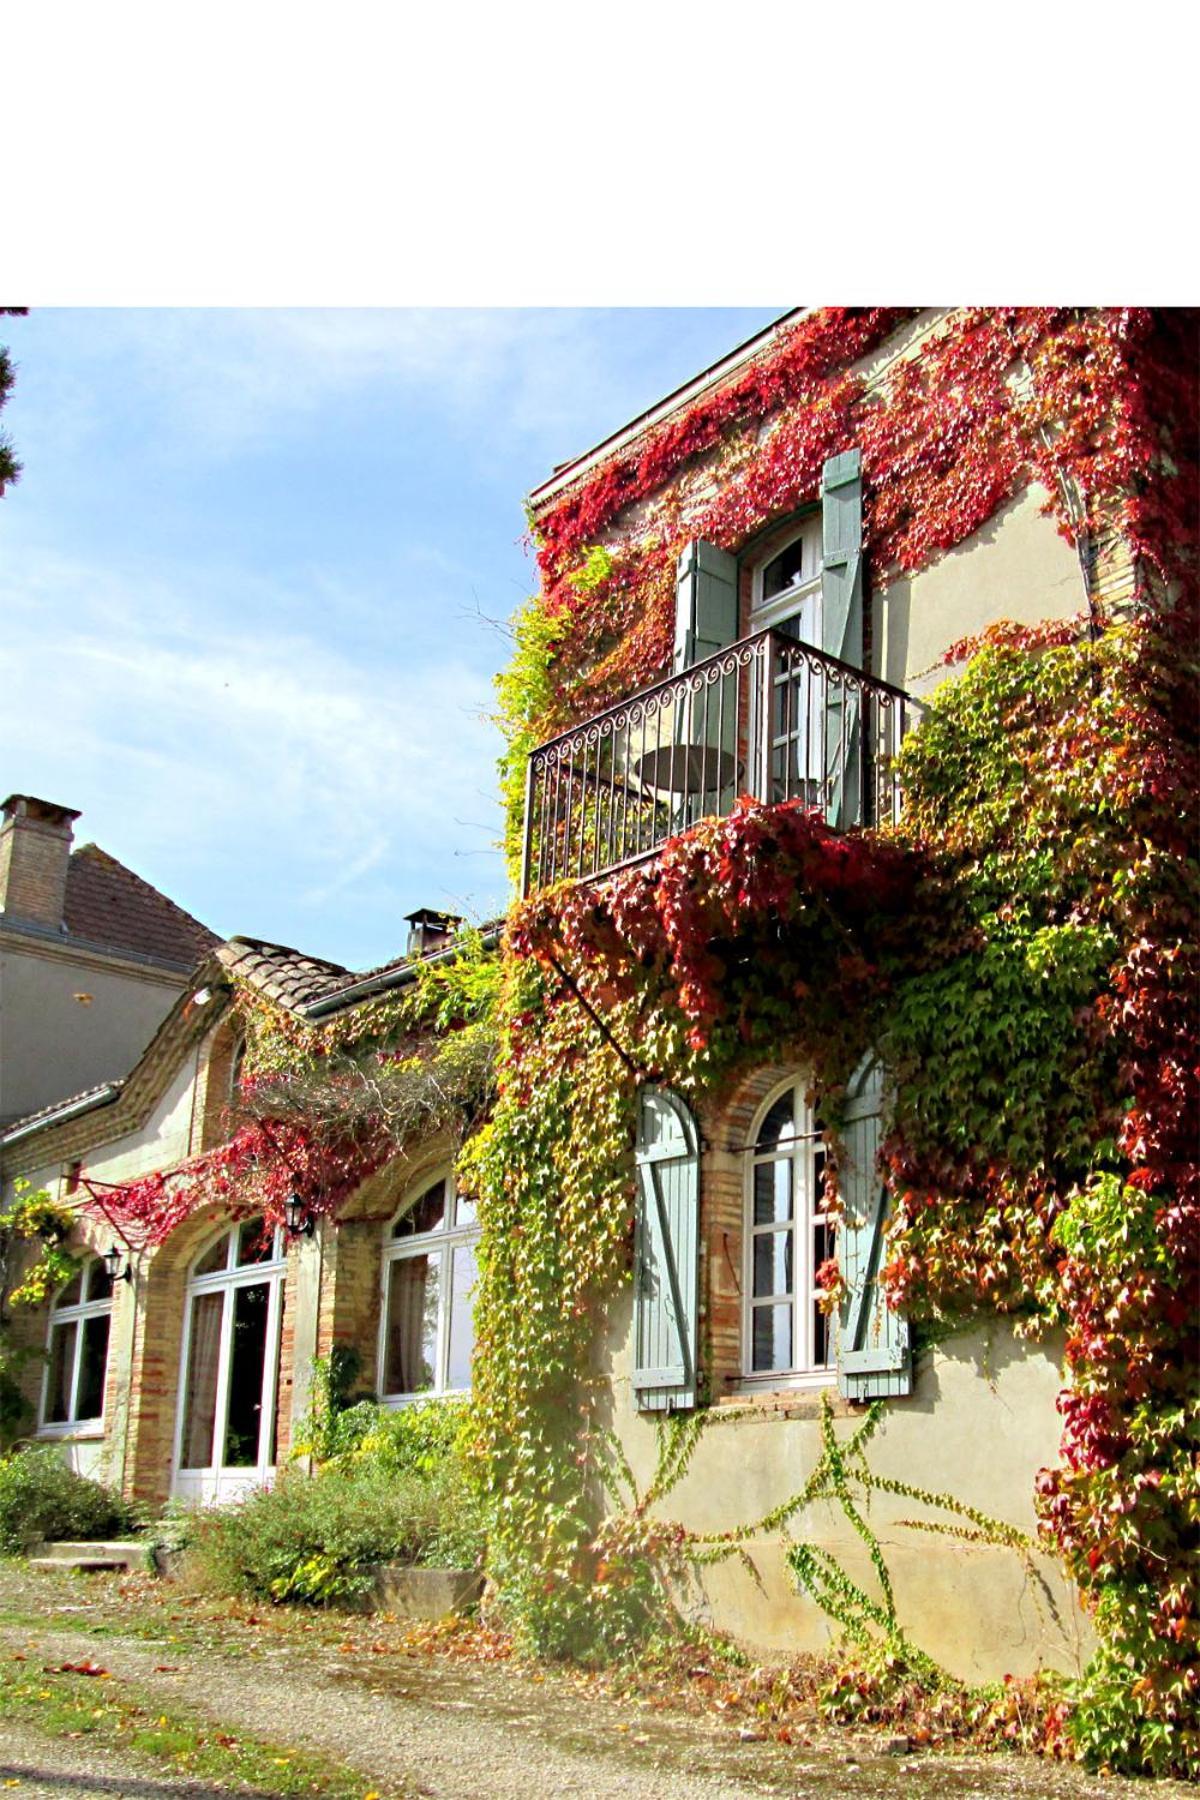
x=245 y=580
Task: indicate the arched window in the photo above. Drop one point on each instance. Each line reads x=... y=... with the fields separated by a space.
x=786 y=589
x=226 y=1426
x=77 y=1362
x=427 y=1332
x=788 y=1235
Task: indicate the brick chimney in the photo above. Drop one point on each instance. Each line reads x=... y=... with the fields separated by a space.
x=35 y=846
x=429 y=930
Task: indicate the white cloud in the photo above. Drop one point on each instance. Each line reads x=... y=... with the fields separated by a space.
x=268 y=764
x=229 y=378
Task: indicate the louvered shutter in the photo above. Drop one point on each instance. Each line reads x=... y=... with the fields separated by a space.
x=666 y=1254
x=706 y=602
x=842 y=630
x=873 y=1351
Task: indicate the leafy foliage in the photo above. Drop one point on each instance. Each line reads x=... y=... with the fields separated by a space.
x=320 y=1538
x=40 y=1497
x=27 y=1218
x=10 y=468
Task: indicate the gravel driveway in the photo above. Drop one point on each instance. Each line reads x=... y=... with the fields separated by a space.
x=424 y=1725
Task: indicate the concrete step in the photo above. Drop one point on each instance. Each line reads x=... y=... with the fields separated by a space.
x=116 y=1553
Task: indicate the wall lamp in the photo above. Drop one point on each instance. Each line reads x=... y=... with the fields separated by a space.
x=112 y=1265
x=297 y=1219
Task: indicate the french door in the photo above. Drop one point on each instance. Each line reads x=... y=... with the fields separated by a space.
x=229 y=1368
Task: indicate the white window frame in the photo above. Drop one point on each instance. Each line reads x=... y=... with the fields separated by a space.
x=805 y=1152
x=448 y=1237
x=60 y=1317
x=781 y=607
x=217 y=1482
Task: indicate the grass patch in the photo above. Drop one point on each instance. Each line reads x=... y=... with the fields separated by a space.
x=116 y=1713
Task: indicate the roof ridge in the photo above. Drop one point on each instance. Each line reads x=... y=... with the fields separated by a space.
x=96 y=850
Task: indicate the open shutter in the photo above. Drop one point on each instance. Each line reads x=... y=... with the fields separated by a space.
x=873 y=1352
x=666 y=1253
x=842 y=629
x=706 y=602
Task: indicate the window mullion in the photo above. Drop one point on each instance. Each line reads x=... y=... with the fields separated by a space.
x=76 y=1365
x=224 y=1360
x=270 y=1375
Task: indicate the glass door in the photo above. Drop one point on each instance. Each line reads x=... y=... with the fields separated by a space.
x=225 y=1436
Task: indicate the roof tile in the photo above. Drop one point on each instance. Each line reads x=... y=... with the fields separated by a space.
x=108 y=904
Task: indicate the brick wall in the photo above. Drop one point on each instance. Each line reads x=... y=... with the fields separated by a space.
x=35 y=847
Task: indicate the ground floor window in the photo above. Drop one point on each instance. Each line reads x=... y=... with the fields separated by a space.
x=77 y=1359
x=230 y=1369
x=427 y=1331
x=788 y=1235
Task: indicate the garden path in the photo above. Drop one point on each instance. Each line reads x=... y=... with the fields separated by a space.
x=412 y=1723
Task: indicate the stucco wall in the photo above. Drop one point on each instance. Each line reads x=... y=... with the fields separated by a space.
x=979 y=1425
x=52 y=1044
x=1015 y=567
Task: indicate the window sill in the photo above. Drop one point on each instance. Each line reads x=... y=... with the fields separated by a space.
x=803 y=1399
x=87 y=1431
x=397 y=1402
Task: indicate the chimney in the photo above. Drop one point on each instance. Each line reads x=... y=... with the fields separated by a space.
x=429 y=930
x=35 y=846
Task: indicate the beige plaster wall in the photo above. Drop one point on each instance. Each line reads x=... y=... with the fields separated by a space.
x=979 y=1425
x=53 y=1045
x=1014 y=567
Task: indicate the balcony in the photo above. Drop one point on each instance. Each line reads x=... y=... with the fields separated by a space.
x=769 y=717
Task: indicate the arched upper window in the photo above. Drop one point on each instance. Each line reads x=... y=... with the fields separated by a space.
x=78 y=1348
x=231 y=1363
x=787 y=585
x=788 y=1235
x=427 y=1331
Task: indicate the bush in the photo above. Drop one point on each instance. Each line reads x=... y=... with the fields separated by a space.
x=40 y=1497
x=319 y=1538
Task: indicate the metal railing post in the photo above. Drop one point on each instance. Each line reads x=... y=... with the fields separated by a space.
x=527 y=836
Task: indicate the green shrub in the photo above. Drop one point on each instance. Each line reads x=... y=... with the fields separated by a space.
x=40 y=1497
x=425 y=1439
x=319 y=1538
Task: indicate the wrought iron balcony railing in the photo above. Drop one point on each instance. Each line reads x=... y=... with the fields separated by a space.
x=769 y=716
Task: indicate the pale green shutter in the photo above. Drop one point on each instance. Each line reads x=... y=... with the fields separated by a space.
x=842 y=630
x=706 y=602
x=872 y=1342
x=666 y=1254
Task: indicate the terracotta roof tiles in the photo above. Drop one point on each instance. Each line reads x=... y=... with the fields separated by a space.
x=108 y=904
x=286 y=976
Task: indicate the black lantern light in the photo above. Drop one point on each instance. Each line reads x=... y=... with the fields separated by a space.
x=112 y=1266
x=296 y=1219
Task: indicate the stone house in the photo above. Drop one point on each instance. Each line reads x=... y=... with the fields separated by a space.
x=91 y=959
x=180 y=1367
x=741 y=544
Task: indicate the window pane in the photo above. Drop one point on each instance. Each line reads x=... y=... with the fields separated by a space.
x=410 y=1359
x=778 y=1124
x=462 y=1331
x=771 y=1337
x=465 y=1212
x=789 y=567
x=246 y=1366
x=97 y=1281
x=89 y=1401
x=820 y=1339
x=200 y=1389
x=256 y=1243
x=214 y=1258
x=772 y=1192
x=72 y=1293
x=62 y=1362
x=773 y=1262
x=428 y=1214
